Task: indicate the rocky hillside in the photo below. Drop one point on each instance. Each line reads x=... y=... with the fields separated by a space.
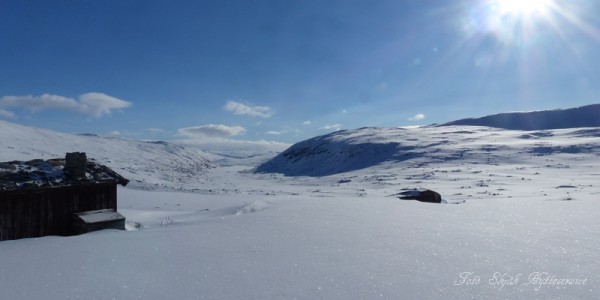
x=146 y=164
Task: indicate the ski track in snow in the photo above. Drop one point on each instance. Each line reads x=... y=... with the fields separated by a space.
x=527 y=205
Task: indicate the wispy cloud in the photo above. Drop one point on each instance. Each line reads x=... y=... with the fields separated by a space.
x=211 y=130
x=417 y=117
x=236 y=148
x=155 y=130
x=6 y=114
x=306 y=123
x=99 y=104
x=218 y=139
x=334 y=127
x=243 y=109
x=93 y=104
x=274 y=132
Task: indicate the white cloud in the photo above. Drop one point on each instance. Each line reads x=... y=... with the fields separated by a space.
x=98 y=104
x=93 y=104
x=417 y=117
x=211 y=130
x=273 y=132
x=235 y=148
x=334 y=127
x=39 y=103
x=306 y=123
x=6 y=113
x=219 y=141
x=242 y=109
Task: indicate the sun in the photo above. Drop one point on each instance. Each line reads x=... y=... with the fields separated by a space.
x=517 y=22
x=522 y=7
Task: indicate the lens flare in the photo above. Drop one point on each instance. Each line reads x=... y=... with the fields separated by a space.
x=522 y=7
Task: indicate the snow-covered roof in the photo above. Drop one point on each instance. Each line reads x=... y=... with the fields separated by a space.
x=38 y=173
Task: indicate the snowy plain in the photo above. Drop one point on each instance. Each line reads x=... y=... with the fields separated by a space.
x=521 y=224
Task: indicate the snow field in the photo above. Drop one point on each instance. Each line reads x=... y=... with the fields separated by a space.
x=525 y=226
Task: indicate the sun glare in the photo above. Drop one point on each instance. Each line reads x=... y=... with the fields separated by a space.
x=515 y=20
x=522 y=7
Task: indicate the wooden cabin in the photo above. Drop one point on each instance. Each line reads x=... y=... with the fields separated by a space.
x=49 y=197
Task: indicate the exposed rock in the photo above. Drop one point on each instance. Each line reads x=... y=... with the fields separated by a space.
x=7 y=166
x=423 y=196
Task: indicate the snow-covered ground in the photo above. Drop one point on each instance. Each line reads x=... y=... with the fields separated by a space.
x=525 y=224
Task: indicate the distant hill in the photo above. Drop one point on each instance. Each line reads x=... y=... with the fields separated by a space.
x=350 y=150
x=585 y=116
x=337 y=152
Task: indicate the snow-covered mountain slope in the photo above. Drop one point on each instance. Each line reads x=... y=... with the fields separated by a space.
x=350 y=150
x=585 y=116
x=525 y=225
x=228 y=152
x=146 y=164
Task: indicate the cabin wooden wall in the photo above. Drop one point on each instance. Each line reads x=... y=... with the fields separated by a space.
x=49 y=211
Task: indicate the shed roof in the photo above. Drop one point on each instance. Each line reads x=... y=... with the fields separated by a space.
x=38 y=173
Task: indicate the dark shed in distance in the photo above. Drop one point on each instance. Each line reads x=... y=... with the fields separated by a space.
x=45 y=197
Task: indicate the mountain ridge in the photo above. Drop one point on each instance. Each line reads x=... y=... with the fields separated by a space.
x=565 y=131
x=578 y=117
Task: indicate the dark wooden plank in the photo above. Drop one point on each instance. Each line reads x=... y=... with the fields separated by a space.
x=3 y=218
x=10 y=220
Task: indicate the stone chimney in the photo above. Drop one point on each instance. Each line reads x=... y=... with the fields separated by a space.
x=76 y=164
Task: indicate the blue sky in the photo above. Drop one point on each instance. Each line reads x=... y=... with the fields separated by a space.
x=288 y=70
